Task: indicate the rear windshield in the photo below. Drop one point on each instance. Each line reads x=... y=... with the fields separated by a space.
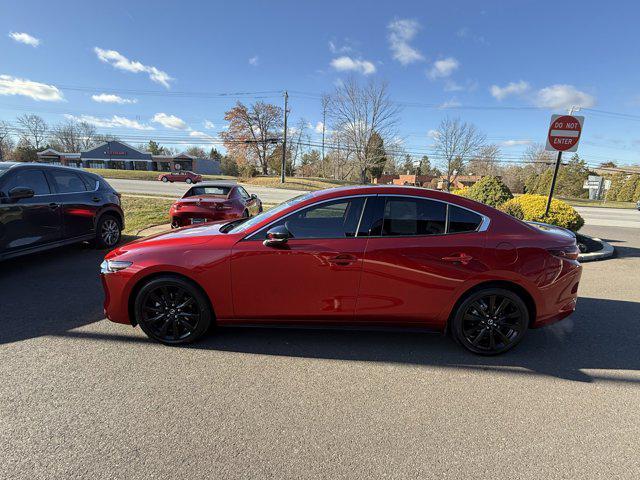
x=218 y=190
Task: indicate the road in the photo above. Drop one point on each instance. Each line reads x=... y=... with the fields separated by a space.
x=146 y=187
x=610 y=217
x=81 y=397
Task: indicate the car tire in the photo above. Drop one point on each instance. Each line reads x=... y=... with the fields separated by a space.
x=484 y=325
x=189 y=181
x=246 y=214
x=165 y=179
x=172 y=310
x=108 y=231
x=260 y=209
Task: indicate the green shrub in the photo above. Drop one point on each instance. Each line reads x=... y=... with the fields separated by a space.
x=532 y=207
x=489 y=190
x=628 y=189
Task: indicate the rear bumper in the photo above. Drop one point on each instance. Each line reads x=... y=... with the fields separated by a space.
x=559 y=299
x=182 y=218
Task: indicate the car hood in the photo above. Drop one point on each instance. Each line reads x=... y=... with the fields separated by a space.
x=186 y=236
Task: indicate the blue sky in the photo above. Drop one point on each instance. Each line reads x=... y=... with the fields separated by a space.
x=456 y=58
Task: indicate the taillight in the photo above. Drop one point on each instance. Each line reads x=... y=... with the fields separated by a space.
x=570 y=252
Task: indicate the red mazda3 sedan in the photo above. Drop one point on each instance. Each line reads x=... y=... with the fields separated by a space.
x=211 y=201
x=379 y=256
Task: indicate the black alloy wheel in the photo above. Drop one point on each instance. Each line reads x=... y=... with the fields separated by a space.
x=108 y=232
x=172 y=311
x=491 y=321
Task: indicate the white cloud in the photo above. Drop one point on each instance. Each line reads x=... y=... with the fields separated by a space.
x=200 y=135
x=347 y=47
x=115 y=121
x=209 y=125
x=21 y=86
x=112 y=98
x=25 y=38
x=516 y=143
x=563 y=96
x=319 y=126
x=254 y=61
x=443 y=68
x=512 y=88
x=343 y=64
x=170 y=121
x=433 y=134
x=119 y=61
x=453 y=103
x=452 y=86
x=401 y=32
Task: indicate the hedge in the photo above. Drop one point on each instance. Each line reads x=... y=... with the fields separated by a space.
x=531 y=208
x=488 y=190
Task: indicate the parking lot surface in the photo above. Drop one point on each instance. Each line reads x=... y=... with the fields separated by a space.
x=81 y=397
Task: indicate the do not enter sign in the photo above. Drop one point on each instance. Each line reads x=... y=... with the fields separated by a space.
x=564 y=133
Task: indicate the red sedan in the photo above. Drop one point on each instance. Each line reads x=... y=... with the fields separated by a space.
x=180 y=176
x=209 y=202
x=379 y=256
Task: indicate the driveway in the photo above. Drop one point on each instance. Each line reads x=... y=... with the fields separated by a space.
x=81 y=397
x=146 y=187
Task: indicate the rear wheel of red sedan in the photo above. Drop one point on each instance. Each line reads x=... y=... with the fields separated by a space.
x=490 y=321
x=172 y=310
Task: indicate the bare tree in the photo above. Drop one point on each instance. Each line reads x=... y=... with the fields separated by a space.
x=485 y=162
x=73 y=136
x=6 y=140
x=456 y=142
x=34 y=130
x=253 y=132
x=538 y=157
x=356 y=113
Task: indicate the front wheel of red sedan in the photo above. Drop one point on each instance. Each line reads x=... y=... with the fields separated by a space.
x=172 y=311
x=490 y=321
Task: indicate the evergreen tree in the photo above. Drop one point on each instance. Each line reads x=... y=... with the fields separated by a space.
x=376 y=155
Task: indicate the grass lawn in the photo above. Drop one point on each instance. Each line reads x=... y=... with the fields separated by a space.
x=143 y=174
x=143 y=212
x=582 y=202
x=296 y=183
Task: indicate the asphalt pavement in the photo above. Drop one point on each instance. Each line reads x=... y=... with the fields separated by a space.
x=146 y=187
x=81 y=397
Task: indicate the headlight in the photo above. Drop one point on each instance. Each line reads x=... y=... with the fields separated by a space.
x=112 y=266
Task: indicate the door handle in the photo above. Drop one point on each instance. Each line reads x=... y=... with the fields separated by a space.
x=53 y=206
x=460 y=258
x=96 y=199
x=343 y=259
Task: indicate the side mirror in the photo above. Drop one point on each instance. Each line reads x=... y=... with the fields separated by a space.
x=277 y=236
x=254 y=196
x=17 y=193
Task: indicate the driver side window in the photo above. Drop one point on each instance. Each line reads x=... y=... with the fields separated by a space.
x=335 y=219
x=33 y=179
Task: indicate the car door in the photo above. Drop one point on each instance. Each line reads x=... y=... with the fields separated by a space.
x=314 y=276
x=419 y=252
x=28 y=222
x=78 y=205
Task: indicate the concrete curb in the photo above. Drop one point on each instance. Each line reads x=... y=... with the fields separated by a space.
x=606 y=252
x=152 y=230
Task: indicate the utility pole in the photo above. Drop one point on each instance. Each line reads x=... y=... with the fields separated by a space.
x=324 y=124
x=284 y=137
x=555 y=173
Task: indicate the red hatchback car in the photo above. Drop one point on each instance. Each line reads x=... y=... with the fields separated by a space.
x=378 y=256
x=180 y=176
x=209 y=202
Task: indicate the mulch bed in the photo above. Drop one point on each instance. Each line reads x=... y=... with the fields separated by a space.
x=588 y=244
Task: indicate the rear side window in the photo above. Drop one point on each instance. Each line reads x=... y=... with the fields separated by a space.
x=243 y=193
x=33 y=179
x=68 y=182
x=461 y=220
x=90 y=182
x=413 y=216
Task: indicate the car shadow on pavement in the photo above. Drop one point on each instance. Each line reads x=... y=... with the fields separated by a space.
x=601 y=335
x=50 y=292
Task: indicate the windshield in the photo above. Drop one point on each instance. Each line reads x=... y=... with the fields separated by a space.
x=217 y=190
x=241 y=227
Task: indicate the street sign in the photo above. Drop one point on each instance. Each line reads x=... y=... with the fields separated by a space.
x=564 y=133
